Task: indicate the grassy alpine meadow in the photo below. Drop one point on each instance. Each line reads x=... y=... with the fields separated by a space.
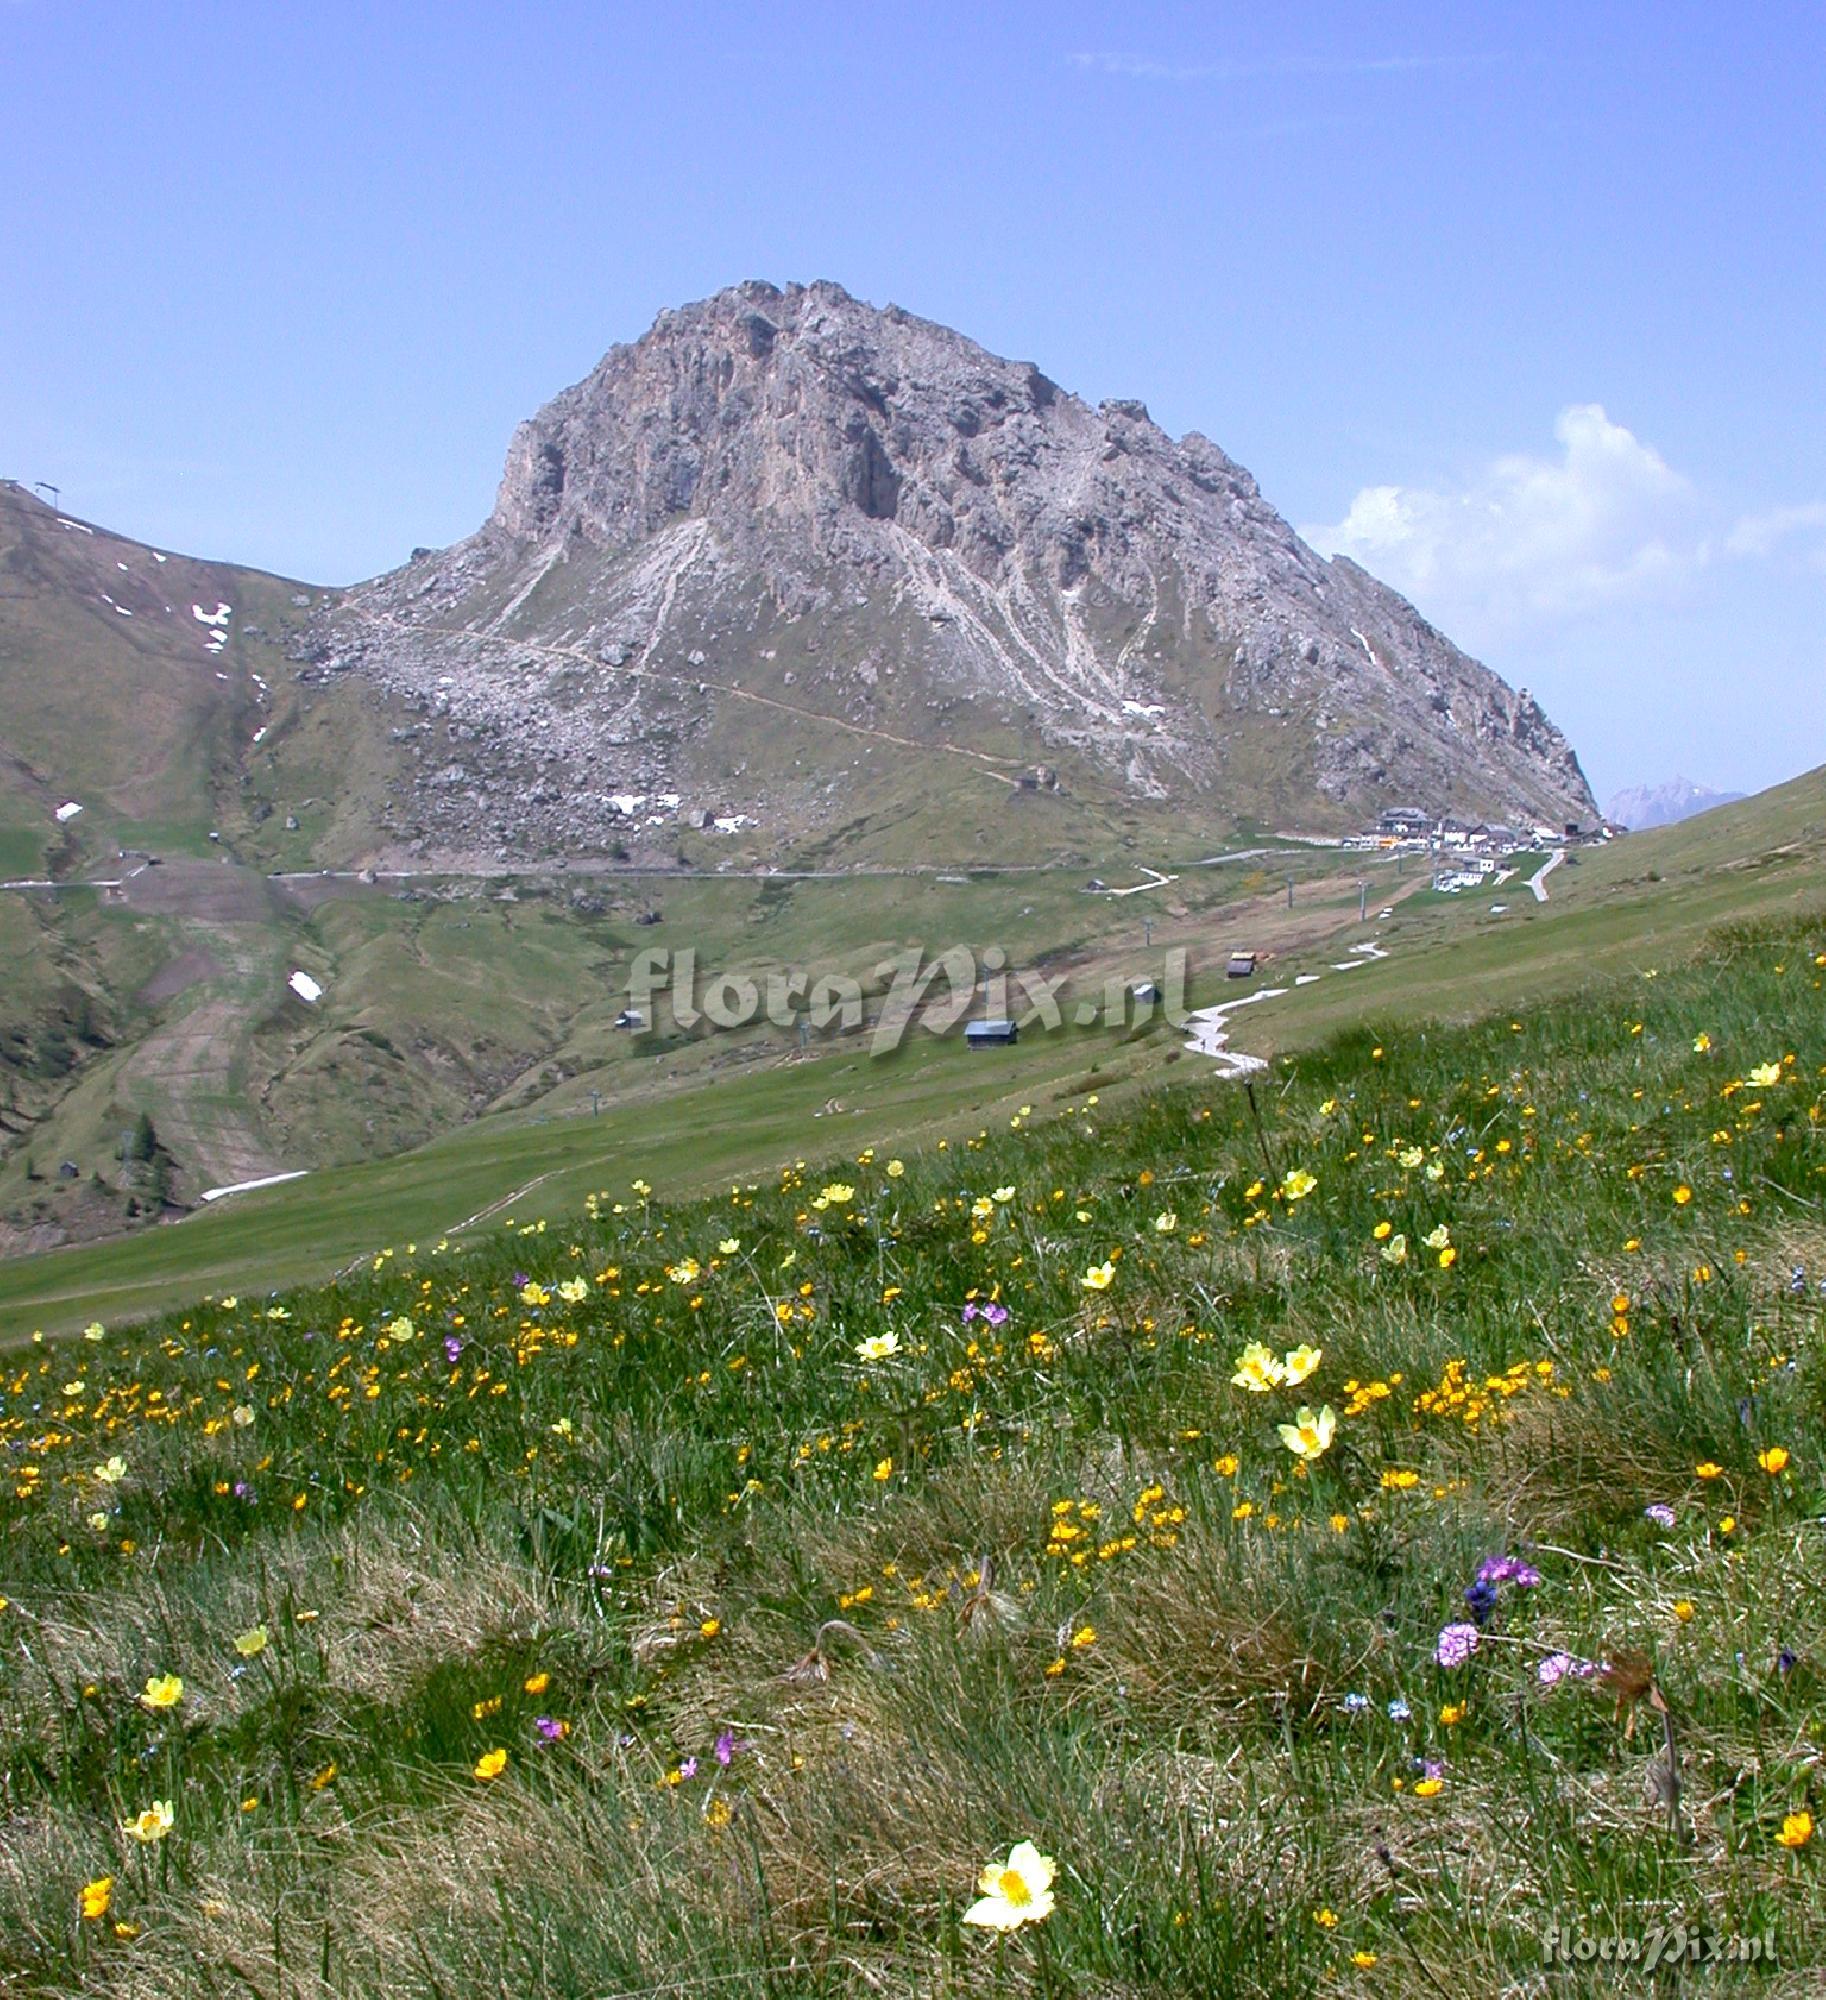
x=1361 y=1536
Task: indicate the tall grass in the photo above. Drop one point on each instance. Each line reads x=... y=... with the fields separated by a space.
x=783 y=1643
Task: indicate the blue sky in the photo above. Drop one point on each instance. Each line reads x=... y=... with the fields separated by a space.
x=1521 y=306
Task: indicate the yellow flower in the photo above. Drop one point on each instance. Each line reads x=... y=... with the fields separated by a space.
x=1327 y=1920
x=1775 y=1459
x=1682 y=1195
x=574 y=1291
x=97 y=1896
x=1166 y=1222
x=1310 y=1434
x=1683 y=1610
x=1764 y=1074
x=878 y=1347
x=710 y=1628
x=1300 y=1362
x=1447 y=1258
x=1297 y=1184
x=1363 y=1960
x=1437 y=1239
x=1429 y=1788
x=1258 y=1369
x=1383 y=1231
x=491 y=1764
x=251 y=1643
x=686 y=1273
x=1706 y=1469
x=151 y=1825
x=729 y=1246
x=1098 y=1278
x=1014 y=1892
x=113 y=1472
x=1452 y=1714
x=896 y=1168
x=163 y=1691
x=1797 y=1830
x=1086 y=1635
x=838 y=1193
x=884 y=1468
x=1395 y=1250
x=1701 y=1043
x=536 y=1683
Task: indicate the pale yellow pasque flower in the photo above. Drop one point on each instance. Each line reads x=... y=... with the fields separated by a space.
x=686 y=1273
x=1439 y=1238
x=1297 y=1184
x=1300 y=1362
x=1099 y=1278
x=1764 y=1074
x=878 y=1347
x=1311 y=1432
x=574 y=1291
x=1166 y=1222
x=1014 y=1892
x=1258 y=1369
x=251 y=1643
x=163 y=1691
x=151 y=1825
x=1395 y=1250
x=729 y=1246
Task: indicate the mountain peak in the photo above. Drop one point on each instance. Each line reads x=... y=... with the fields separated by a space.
x=788 y=496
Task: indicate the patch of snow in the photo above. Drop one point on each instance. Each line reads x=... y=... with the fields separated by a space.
x=68 y=810
x=124 y=612
x=261 y=731
x=218 y=617
x=1147 y=709
x=156 y=557
x=306 y=988
x=247 y=1187
x=77 y=525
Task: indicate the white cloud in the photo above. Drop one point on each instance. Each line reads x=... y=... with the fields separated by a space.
x=1607 y=521
x=1763 y=534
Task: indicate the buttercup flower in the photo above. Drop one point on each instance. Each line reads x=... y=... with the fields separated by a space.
x=1300 y=1362
x=97 y=1896
x=1298 y=1184
x=152 y=1824
x=1258 y=1369
x=1014 y=1892
x=491 y=1764
x=1310 y=1434
x=1797 y=1830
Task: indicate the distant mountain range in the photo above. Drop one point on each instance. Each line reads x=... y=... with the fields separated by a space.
x=790 y=560
x=1642 y=806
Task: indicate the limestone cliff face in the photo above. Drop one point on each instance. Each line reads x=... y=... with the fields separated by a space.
x=790 y=499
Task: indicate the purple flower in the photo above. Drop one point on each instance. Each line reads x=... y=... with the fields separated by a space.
x=688 y=1769
x=452 y=1348
x=1660 y=1513
x=1556 y=1667
x=995 y=1314
x=1433 y=1767
x=1456 y=1645
x=1355 y=1704
x=727 y=1748
x=1508 y=1569
x=521 y=1281
x=1480 y=1600
x=551 y=1730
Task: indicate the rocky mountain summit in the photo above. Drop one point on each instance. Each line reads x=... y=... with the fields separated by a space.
x=1640 y=807
x=788 y=548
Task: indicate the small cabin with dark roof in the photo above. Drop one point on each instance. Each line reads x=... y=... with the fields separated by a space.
x=1241 y=966
x=991 y=1034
